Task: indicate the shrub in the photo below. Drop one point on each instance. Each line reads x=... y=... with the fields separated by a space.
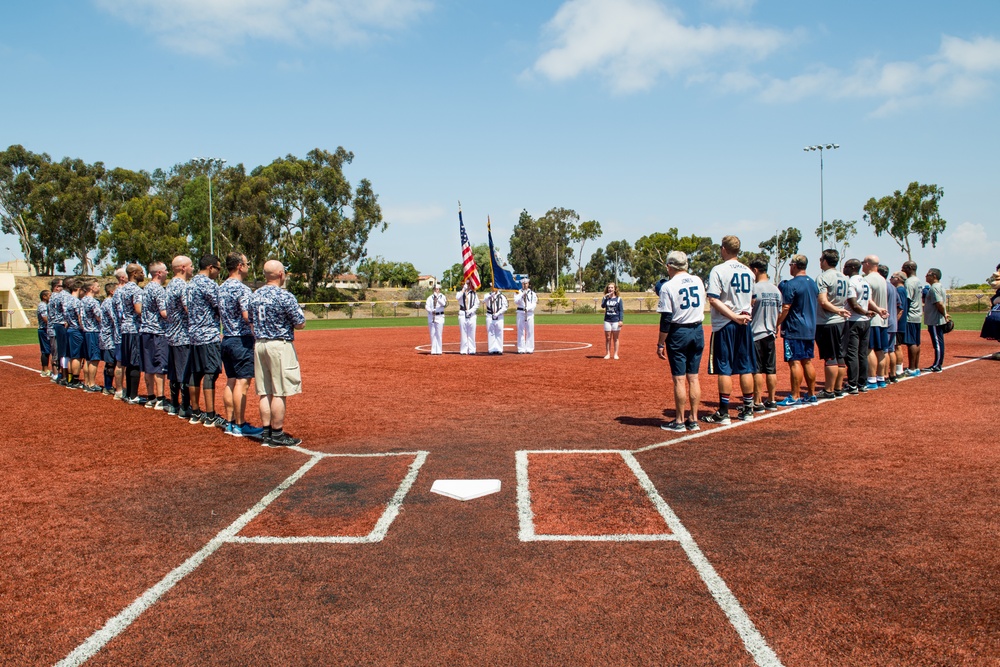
x=584 y=308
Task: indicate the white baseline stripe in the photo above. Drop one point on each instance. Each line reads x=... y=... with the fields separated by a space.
x=392 y=509
x=623 y=537
x=336 y=539
x=127 y=616
x=11 y=363
x=525 y=517
x=752 y=639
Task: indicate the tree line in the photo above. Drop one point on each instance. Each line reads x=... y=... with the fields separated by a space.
x=302 y=211
x=550 y=248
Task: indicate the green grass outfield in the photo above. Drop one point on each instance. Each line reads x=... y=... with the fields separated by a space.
x=963 y=321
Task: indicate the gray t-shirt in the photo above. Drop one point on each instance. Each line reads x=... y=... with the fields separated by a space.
x=766 y=307
x=879 y=296
x=834 y=284
x=914 y=289
x=932 y=316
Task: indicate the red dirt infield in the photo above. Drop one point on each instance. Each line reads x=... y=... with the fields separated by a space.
x=855 y=532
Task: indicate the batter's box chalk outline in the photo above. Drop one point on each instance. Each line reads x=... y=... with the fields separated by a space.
x=754 y=643
x=381 y=526
x=526 y=515
x=126 y=617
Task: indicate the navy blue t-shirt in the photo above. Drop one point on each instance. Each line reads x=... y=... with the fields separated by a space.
x=904 y=303
x=801 y=294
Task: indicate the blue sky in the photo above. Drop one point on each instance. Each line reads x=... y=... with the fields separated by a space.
x=640 y=114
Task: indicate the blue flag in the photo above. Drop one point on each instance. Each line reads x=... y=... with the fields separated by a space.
x=502 y=278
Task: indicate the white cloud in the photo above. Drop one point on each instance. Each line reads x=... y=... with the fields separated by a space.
x=212 y=27
x=961 y=71
x=732 y=5
x=971 y=238
x=630 y=43
x=413 y=214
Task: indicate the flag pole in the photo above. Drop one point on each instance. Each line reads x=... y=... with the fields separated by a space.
x=493 y=274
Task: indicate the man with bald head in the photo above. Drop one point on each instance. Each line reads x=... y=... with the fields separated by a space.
x=178 y=340
x=275 y=315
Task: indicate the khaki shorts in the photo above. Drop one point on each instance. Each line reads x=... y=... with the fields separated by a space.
x=276 y=368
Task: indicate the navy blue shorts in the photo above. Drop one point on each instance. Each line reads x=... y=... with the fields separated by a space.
x=179 y=364
x=237 y=356
x=92 y=346
x=131 y=354
x=911 y=336
x=878 y=339
x=685 y=344
x=154 y=353
x=60 y=330
x=799 y=350
x=731 y=351
x=109 y=359
x=75 y=348
x=206 y=360
x=766 y=355
x=43 y=342
x=831 y=339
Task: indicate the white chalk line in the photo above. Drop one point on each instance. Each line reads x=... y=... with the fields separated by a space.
x=118 y=624
x=11 y=363
x=753 y=641
x=580 y=346
x=781 y=411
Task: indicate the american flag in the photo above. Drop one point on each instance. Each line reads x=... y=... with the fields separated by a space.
x=469 y=269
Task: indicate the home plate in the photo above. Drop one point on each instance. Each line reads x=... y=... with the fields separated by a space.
x=465 y=489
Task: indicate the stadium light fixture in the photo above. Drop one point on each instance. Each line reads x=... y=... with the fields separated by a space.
x=209 y=163
x=822 y=216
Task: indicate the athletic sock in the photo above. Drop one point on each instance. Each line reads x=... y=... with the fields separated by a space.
x=899 y=369
x=748 y=401
x=162 y=399
x=267 y=432
x=724 y=403
x=211 y=414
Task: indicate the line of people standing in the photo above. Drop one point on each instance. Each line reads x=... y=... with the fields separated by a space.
x=495 y=305
x=180 y=339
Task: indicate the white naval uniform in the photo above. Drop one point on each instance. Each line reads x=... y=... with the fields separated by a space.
x=496 y=305
x=435 y=319
x=526 y=300
x=468 y=303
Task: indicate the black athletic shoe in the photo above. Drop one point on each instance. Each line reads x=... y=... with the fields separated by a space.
x=852 y=390
x=745 y=414
x=863 y=388
x=758 y=407
x=839 y=393
x=184 y=413
x=170 y=409
x=218 y=421
x=936 y=369
x=283 y=440
x=893 y=379
x=825 y=395
x=692 y=425
x=672 y=426
x=196 y=418
x=770 y=406
x=716 y=418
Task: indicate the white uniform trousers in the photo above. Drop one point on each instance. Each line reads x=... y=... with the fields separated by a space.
x=467 y=327
x=525 y=332
x=435 y=323
x=494 y=334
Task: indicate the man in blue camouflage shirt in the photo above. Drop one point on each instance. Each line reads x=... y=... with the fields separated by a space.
x=73 y=312
x=275 y=315
x=178 y=340
x=108 y=333
x=237 y=346
x=129 y=297
x=203 y=327
x=57 y=322
x=91 y=335
x=152 y=336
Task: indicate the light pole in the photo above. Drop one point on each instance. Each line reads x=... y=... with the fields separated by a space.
x=822 y=217
x=208 y=163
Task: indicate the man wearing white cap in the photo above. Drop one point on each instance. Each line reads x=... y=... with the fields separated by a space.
x=525 y=300
x=435 y=316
